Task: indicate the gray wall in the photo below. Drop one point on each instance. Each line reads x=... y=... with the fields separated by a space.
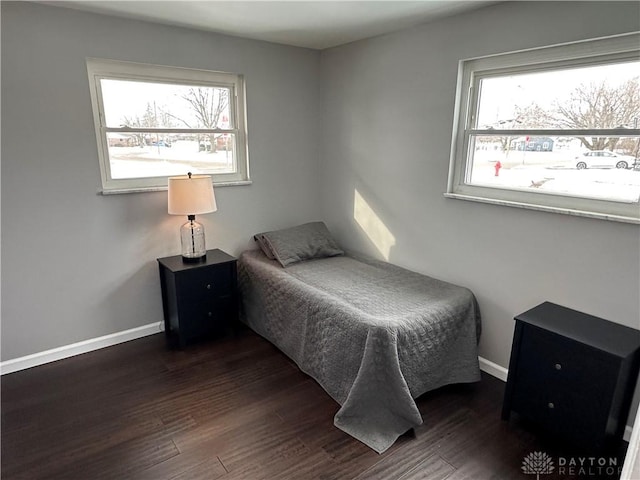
x=78 y=265
x=388 y=106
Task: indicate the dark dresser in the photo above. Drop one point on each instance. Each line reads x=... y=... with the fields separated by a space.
x=199 y=300
x=573 y=375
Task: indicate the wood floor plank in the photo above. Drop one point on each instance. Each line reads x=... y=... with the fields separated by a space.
x=433 y=468
x=207 y=470
x=193 y=461
x=121 y=460
x=398 y=461
x=73 y=442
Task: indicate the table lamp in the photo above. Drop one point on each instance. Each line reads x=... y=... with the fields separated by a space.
x=191 y=195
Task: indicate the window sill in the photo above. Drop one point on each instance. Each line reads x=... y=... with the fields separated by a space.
x=544 y=208
x=118 y=191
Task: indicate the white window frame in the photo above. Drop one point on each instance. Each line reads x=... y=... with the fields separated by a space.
x=99 y=69
x=471 y=71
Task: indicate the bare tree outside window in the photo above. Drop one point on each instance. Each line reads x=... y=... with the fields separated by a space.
x=600 y=105
x=149 y=119
x=210 y=107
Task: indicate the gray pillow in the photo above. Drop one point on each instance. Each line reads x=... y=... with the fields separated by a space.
x=304 y=242
x=264 y=246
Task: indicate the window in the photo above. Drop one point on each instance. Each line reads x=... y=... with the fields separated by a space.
x=153 y=122
x=555 y=129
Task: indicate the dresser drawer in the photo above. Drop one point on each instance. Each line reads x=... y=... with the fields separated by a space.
x=206 y=283
x=564 y=412
x=552 y=362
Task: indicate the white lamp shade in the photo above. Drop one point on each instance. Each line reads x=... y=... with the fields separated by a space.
x=191 y=195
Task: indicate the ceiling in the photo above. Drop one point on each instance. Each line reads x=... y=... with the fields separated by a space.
x=311 y=24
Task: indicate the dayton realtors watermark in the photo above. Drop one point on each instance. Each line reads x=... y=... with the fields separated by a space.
x=539 y=463
x=589 y=466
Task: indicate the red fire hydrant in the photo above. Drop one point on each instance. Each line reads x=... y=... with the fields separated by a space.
x=498 y=166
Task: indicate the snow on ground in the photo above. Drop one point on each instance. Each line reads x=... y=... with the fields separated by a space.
x=555 y=172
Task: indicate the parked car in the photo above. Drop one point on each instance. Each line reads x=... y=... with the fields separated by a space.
x=603 y=159
x=161 y=143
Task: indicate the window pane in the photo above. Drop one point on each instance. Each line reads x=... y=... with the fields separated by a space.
x=141 y=155
x=161 y=105
x=558 y=165
x=603 y=96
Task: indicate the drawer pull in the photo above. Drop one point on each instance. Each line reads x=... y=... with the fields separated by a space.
x=208 y=286
x=551 y=405
x=210 y=314
x=558 y=366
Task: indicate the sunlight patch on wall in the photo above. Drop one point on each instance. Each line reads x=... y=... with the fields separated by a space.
x=372 y=226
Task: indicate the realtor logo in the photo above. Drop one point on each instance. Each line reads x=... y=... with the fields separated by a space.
x=537 y=463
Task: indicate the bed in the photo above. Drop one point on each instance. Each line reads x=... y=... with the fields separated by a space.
x=375 y=336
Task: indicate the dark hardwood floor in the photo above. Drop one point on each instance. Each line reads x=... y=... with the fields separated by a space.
x=237 y=408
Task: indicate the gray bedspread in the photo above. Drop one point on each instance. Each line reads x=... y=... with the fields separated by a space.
x=375 y=336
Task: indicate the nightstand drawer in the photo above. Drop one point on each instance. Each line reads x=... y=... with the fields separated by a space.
x=551 y=361
x=206 y=318
x=206 y=283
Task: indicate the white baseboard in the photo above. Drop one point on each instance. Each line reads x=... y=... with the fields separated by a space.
x=501 y=373
x=493 y=369
x=627 y=433
x=66 y=351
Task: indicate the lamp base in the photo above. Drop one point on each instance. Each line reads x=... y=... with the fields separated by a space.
x=192 y=240
x=199 y=259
